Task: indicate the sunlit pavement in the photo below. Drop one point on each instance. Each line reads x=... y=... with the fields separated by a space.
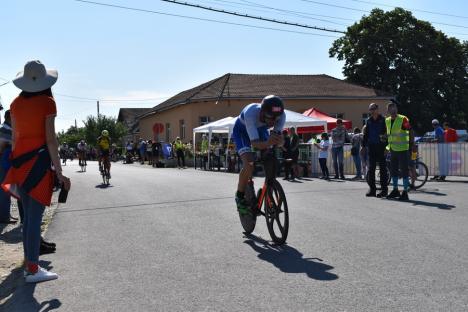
x=170 y=240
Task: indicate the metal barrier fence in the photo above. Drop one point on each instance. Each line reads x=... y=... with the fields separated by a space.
x=445 y=158
x=308 y=154
x=441 y=159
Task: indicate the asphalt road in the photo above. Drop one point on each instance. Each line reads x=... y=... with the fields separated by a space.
x=170 y=240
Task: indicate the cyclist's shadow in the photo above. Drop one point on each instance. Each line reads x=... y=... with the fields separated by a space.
x=289 y=260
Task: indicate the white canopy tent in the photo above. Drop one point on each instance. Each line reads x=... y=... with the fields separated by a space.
x=226 y=125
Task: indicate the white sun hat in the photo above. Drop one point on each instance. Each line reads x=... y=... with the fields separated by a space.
x=35 y=77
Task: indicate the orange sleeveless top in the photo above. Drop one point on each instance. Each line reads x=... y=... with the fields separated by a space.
x=29 y=116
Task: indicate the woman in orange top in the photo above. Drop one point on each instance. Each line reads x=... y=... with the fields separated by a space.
x=35 y=151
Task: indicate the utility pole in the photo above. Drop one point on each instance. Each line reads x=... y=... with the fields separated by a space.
x=76 y=126
x=98 y=109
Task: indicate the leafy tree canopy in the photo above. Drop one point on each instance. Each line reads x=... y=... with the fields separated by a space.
x=399 y=54
x=92 y=130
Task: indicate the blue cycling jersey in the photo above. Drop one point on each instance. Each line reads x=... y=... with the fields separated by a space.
x=249 y=128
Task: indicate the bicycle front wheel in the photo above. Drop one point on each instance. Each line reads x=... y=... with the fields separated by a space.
x=276 y=212
x=422 y=174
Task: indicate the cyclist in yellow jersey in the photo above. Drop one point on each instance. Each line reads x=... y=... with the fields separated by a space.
x=104 y=144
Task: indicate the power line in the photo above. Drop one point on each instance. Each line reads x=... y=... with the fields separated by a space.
x=365 y=11
x=201 y=19
x=294 y=13
x=110 y=100
x=254 y=4
x=416 y=10
x=254 y=17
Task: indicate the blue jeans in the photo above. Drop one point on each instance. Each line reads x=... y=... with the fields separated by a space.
x=338 y=158
x=33 y=211
x=357 y=163
x=5 y=200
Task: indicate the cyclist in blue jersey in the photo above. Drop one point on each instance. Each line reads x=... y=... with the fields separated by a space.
x=251 y=131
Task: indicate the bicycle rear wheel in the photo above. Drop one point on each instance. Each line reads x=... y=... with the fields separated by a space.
x=276 y=212
x=249 y=221
x=422 y=174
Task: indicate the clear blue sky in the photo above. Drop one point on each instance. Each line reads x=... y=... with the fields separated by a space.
x=110 y=53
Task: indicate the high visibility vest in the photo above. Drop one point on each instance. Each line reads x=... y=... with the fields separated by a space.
x=398 y=139
x=179 y=145
x=204 y=146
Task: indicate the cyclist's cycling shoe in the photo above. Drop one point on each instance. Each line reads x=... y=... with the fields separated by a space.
x=371 y=193
x=404 y=196
x=393 y=194
x=242 y=206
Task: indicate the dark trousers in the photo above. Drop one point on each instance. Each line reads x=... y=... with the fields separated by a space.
x=377 y=155
x=288 y=172
x=323 y=166
x=399 y=161
x=180 y=156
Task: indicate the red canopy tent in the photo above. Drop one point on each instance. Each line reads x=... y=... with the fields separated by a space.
x=331 y=122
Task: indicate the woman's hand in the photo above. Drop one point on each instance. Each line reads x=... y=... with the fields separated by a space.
x=65 y=181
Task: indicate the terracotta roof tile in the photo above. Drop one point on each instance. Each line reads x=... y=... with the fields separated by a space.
x=235 y=86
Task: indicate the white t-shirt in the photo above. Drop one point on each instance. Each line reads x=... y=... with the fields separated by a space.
x=324 y=153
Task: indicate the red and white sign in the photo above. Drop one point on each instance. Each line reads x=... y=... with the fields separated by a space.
x=158 y=128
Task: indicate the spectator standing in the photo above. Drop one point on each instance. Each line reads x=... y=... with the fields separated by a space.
x=356 y=142
x=294 y=153
x=204 y=150
x=149 y=152
x=5 y=151
x=180 y=153
x=364 y=156
x=339 y=137
x=323 y=155
x=142 y=150
x=155 y=150
x=442 y=155
x=373 y=144
x=400 y=142
x=129 y=154
x=34 y=149
x=287 y=161
x=450 y=134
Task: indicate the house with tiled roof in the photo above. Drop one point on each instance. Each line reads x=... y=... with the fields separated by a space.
x=228 y=94
x=129 y=118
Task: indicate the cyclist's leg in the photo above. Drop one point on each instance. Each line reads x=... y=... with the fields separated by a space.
x=246 y=172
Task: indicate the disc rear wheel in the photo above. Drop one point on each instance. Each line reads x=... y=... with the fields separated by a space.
x=276 y=213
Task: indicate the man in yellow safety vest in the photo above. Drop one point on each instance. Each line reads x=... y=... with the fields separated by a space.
x=400 y=142
x=180 y=152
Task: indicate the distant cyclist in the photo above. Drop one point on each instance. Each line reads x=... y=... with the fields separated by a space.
x=82 y=148
x=104 y=145
x=251 y=131
x=64 y=151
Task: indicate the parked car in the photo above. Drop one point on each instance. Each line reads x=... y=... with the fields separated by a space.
x=430 y=137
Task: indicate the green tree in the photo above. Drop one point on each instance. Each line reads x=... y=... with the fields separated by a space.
x=401 y=55
x=72 y=136
x=94 y=126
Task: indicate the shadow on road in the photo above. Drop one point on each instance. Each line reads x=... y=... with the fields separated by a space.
x=21 y=295
x=13 y=236
x=103 y=186
x=432 y=205
x=429 y=192
x=289 y=260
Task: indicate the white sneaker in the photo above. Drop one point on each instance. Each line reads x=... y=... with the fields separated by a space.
x=42 y=275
